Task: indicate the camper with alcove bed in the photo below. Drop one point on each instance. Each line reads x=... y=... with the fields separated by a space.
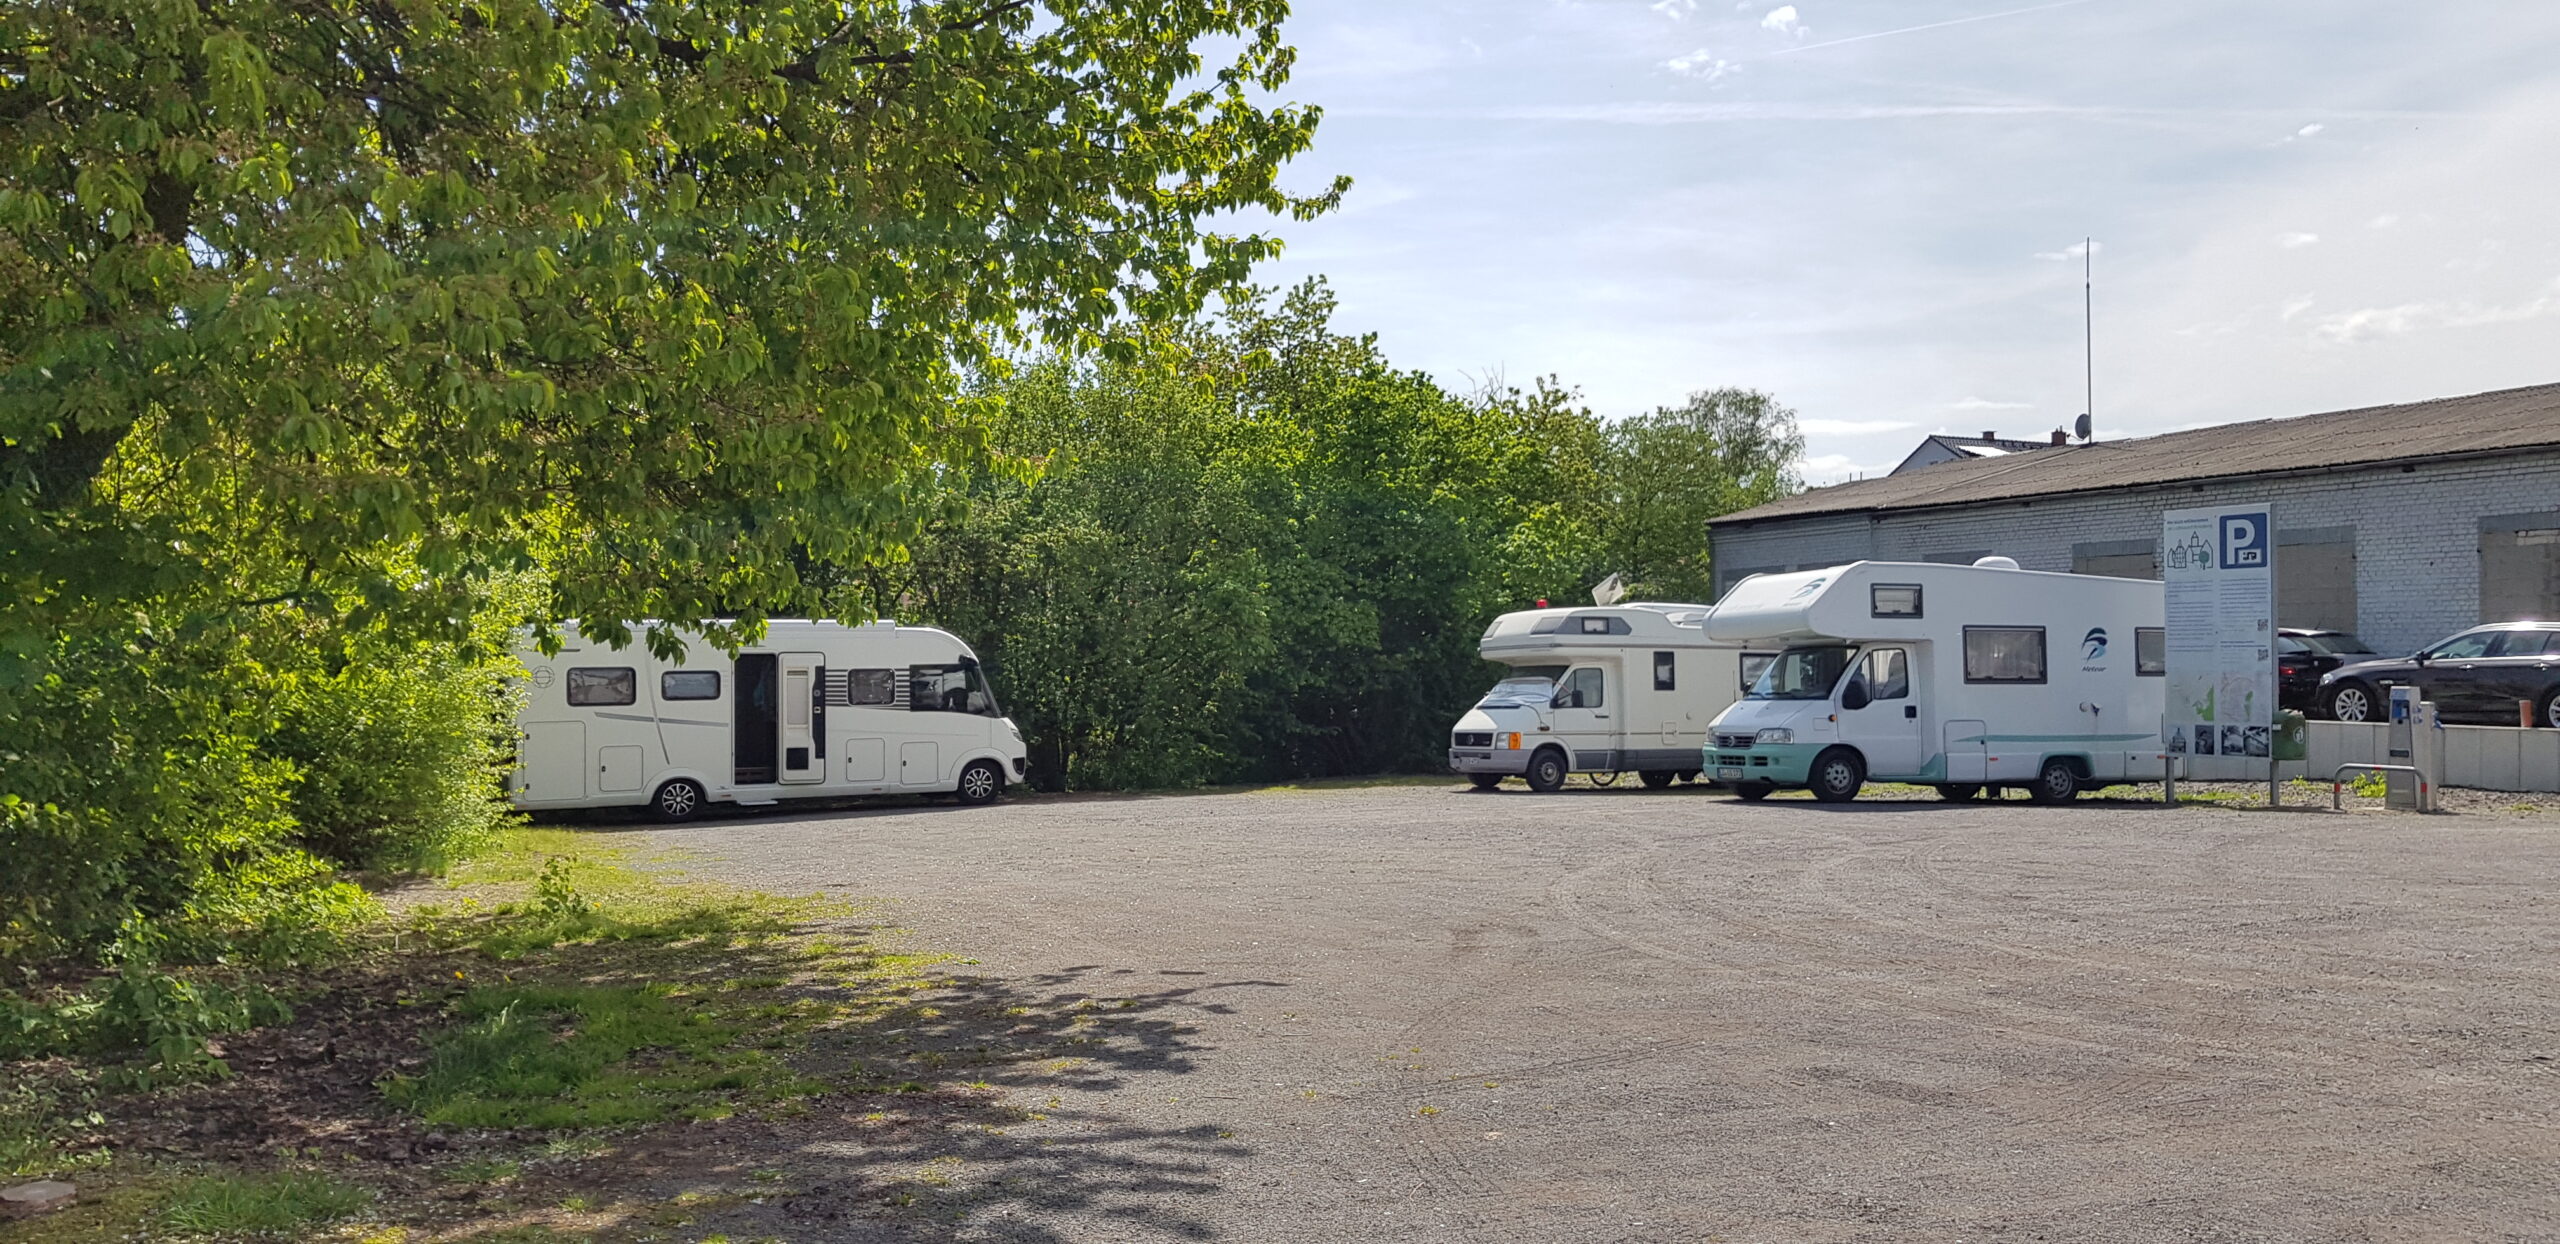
x=813 y=709
x=1964 y=678
x=1602 y=690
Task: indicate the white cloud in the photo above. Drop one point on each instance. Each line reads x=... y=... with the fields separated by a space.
x=1674 y=9
x=1700 y=64
x=1849 y=427
x=2374 y=322
x=1983 y=403
x=2296 y=241
x=2383 y=221
x=2294 y=307
x=2073 y=251
x=2307 y=131
x=1783 y=19
x=1820 y=469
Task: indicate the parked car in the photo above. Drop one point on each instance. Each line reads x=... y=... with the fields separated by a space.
x=2478 y=675
x=2303 y=655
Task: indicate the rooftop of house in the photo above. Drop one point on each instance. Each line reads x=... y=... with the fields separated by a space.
x=2504 y=420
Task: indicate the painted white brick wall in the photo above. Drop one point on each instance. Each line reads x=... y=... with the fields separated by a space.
x=2417 y=532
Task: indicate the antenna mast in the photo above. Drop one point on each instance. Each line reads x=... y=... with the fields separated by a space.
x=2089 y=334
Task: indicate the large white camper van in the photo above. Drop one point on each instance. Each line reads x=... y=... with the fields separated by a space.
x=1614 y=689
x=816 y=709
x=1960 y=677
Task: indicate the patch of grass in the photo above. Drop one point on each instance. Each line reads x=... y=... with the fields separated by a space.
x=270 y=1205
x=583 y=1056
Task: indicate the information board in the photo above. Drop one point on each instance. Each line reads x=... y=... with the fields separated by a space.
x=2218 y=567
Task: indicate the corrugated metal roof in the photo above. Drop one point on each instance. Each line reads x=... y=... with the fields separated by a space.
x=2508 y=419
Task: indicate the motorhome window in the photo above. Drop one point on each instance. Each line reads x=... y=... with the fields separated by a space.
x=689 y=685
x=1584 y=689
x=871 y=686
x=1666 y=671
x=1547 y=626
x=982 y=694
x=1801 y=674
x=2150 y=652
x=937 y=689
x=1894 y=600
x=1526 y=682
x=1885 y=673
x=602 y=686
x=949 y=689
x=2004 y=654
x=1753 y=664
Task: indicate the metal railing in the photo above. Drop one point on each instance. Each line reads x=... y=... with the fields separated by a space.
x=2337 y=788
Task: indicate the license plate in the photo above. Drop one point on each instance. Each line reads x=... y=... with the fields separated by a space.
x=1728 y=774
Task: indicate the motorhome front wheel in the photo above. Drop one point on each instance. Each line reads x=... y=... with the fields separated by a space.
x=980 y=782
x=1837 y=775
x=1547 y=771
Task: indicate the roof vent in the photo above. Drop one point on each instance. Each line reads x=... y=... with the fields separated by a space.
x=1996 y=562
x=1991 y=434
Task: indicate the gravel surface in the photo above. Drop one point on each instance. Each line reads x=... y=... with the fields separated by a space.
x=1426 y=1013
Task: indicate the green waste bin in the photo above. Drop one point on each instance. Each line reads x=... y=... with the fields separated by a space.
x=2293 y=736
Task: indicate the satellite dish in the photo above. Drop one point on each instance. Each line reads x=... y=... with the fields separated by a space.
x=2081 y=428
x=1611 y=590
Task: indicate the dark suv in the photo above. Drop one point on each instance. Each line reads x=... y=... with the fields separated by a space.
x=2302 y=656
x=2477 y=675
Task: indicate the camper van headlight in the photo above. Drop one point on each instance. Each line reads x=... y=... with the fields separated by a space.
x=1780 y=734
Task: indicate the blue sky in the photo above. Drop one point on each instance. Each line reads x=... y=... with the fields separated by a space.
x=1871 y=208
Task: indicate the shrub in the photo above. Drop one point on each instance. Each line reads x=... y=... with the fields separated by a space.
x=400 y=754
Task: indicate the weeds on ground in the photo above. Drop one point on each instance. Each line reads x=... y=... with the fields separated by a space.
x=283 y=1203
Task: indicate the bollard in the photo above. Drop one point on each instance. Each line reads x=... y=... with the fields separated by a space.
x=2524 y=714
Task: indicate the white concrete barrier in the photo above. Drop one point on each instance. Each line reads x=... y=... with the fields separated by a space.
x=2478 y=757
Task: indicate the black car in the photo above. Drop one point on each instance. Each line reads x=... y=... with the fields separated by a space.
x=2477 y=675
x=2303 y=655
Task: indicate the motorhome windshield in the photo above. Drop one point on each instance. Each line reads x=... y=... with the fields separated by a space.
x=1802 y=674
x=1526 y=682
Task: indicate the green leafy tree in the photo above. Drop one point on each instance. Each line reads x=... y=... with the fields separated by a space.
x=671 y=296
x=1671 y=471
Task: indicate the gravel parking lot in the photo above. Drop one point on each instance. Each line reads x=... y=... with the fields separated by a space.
x=1427 y=1013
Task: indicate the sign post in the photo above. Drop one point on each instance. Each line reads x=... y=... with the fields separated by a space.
x=2218 y=569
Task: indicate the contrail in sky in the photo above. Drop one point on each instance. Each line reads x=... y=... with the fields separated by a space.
x=1958 y=21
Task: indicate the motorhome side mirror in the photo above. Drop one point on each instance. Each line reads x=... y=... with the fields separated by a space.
x=1853 y=697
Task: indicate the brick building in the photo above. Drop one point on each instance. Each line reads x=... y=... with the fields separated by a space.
x=2400 y=523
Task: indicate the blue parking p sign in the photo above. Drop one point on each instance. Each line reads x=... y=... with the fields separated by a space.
x=2244 y=541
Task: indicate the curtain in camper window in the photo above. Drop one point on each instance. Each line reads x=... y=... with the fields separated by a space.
x=603 y=686
x=2004 y=654
x=871 y=687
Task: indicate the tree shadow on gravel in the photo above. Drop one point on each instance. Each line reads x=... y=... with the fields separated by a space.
x=959 y=1127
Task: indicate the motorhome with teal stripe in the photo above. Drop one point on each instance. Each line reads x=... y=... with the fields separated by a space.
x=1965 y=678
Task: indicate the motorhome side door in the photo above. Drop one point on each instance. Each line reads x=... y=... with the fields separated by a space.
x=803 y=747
x=1586 y=717
x=1879 y=715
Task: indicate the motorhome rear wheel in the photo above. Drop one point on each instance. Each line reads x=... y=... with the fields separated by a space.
x=1754 y=791
x=1958 y=792
x=2056 y=782
x=1656 y=779
x=1485 y=781
x=678 y=800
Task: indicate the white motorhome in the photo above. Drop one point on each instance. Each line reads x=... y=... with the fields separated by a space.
x=814 y=709
x=1609 y=689
x=1958 y=677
